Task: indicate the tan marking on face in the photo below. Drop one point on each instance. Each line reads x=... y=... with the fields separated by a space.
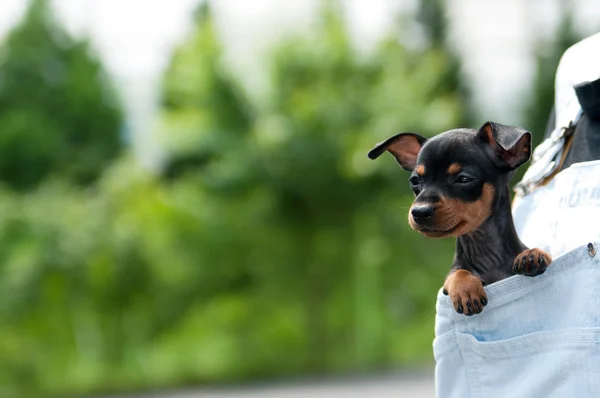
x=420 y=170
x=454 y=168
x=454 y=217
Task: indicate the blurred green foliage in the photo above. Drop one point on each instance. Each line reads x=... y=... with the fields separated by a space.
x=269 y=246
x=547 y=57
x=318 y=242
x=538 y=108
x=204 y=113
x=57 y=115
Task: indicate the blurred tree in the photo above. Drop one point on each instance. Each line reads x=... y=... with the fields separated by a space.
x=309 y=240
x=431 y=16
x=57 y=114
x=205 y=114
x=327 y=109
x=537 y=111
x=274 y=247
x=548 y=54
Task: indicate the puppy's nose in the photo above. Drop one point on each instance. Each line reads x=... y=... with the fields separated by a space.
x=422 y=213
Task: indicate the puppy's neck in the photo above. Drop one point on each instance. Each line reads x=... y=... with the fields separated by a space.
x=490 y=250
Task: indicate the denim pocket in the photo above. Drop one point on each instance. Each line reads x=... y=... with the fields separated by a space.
x=537 y=337
x=555 y=363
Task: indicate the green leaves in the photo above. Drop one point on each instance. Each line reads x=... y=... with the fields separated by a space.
x=57 y=115
x=300 y=218
x=269 y=245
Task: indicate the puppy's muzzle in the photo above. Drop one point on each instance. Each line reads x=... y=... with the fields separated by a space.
x=432 y=220
x=422 y=215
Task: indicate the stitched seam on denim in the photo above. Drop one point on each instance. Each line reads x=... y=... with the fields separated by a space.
x=470 y=326
x=473 y=380
x=565 y=261
x=540 y=279
x=543 y=342
x=464 y=324
x=444 y=343
x=522 y=352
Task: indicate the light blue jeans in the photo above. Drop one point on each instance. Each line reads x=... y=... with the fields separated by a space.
x=538 y=336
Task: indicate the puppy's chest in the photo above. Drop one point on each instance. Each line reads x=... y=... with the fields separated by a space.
x=494 y=275
x=489 y=262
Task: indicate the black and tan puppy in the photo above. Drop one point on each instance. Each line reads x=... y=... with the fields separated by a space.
x=460 y=180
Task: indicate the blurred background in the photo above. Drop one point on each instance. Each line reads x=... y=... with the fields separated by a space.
x=185 y=197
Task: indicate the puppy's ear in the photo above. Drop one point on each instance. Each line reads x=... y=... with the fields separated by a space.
x=509 y=146
x=404 y=147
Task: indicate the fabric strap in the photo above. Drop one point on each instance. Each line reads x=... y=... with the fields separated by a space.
x=548 y=158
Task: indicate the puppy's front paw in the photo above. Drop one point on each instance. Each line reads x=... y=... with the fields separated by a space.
x=531 y=262
x=466 y=292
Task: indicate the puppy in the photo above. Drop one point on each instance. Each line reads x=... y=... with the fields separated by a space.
x=460 y=181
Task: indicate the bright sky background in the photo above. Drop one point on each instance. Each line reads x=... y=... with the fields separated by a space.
x=135 y=38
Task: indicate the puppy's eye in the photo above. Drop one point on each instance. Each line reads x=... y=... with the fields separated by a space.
x=414 y=180
x=464 y=180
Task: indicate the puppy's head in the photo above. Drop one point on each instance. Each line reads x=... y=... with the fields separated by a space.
x=457 y=175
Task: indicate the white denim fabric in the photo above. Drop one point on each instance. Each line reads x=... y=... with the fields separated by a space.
x=580 y=63
x=538 y=336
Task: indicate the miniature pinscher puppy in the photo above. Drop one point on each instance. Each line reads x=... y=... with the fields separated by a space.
x=460 y=180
